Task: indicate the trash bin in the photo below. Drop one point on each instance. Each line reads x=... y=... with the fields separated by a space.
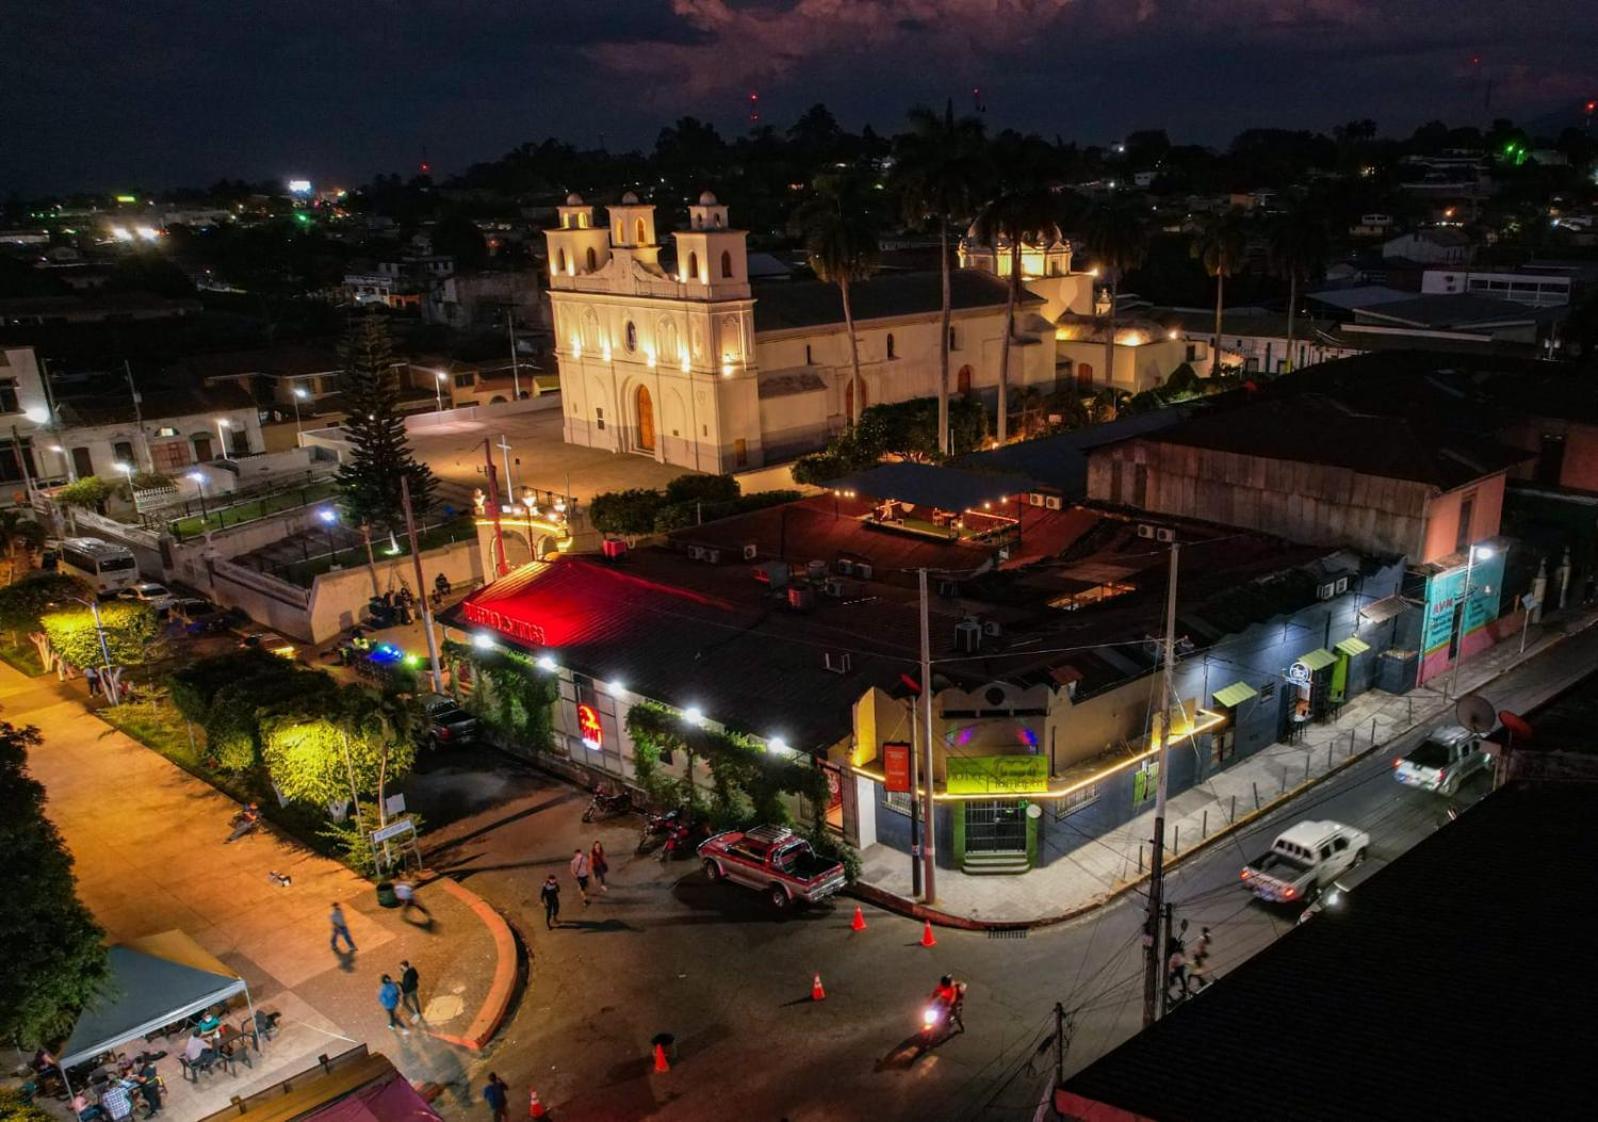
x=385 y=895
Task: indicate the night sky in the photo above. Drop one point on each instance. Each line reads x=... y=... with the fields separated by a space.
x=110 y=94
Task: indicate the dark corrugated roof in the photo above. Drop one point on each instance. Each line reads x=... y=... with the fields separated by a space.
x=1463 y=948
x=1060 y=461
x=946 y=488
x=1444 y=310
x=815 y=303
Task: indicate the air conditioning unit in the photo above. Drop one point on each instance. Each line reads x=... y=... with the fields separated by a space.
x=696 y=552
x=968 y=636
x=990 y=628
x=1035 y=498
x=1342 y=585
x=713 y=556
x=1144 y=530
x=838 y=662
x=863 y=570
x=1164 y=534
x=1325 y=591
x=845 y=567
x=833 y=587
x=1052 y=502
x=751 y=551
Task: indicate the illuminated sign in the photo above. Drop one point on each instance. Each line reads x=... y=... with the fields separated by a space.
x=972 y=775
x=589 y=729
x=300 y=186
x=896 y=767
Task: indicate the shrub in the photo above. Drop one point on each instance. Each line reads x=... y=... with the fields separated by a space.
x=702 y=488
x=626 y=512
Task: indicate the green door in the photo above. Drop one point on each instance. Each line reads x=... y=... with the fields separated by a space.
x=1339 y=678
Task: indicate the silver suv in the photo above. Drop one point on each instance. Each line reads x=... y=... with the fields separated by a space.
x=1446 y=758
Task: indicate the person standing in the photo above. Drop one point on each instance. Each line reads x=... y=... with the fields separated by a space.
x=341 y=929
x=550 y=895
x=598 y=865
x=92 y=677
x=150 y=1087
x=388 y=996
x=494 y=1095
x=580 y=871
x=409 y=980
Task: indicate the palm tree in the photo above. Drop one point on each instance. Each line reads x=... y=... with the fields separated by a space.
x=940 y=171
x=1024 y=213
x=1220 y=246
x=1297 y=252
x=841 y=247
x=1117 y=235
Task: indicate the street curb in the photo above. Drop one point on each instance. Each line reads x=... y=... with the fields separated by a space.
x=502 y=988
x=895 y=903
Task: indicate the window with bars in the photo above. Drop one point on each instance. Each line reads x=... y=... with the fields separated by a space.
x=898 y=801
x=1075 y=801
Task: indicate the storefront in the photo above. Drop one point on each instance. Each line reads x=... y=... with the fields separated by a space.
x=1311 y=679
x=995 y=826
x=1456 y=619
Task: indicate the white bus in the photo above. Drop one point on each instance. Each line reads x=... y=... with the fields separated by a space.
x=104 y=567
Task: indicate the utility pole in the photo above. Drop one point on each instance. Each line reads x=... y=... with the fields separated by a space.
x=915 y=801
x=1059 y=1044
x=1155 y=956
x=515 y=367
x=421 y=588
x=138 y=417
x=1165 y=941
x=929 y=844
x=501 y=567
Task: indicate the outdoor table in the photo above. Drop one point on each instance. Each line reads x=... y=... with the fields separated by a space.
x=232 y=1045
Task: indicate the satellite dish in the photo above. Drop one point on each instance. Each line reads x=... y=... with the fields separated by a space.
x=1476 y=713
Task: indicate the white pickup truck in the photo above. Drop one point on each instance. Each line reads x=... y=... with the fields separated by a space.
x=1304 y=860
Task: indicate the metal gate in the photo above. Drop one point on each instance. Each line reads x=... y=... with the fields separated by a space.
x=998 y=826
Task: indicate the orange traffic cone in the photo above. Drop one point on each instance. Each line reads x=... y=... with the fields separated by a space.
x=535 y=1109
x=926 y=936
x=858 y=923
x=816 y=992
x=660 y=1058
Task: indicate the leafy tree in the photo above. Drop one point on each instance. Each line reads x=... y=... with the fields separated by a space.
x=1220 y=245
x=841 y=247
x=130 y=632
x=1297 y=252
x=88 y=493
x=230 y=694
x=626 y=512
x=17 y=533
x=369 y=483
x=1024 y=212
x=54 y=954
x=351 y=749
x=702 y=488
x=940 y=171
x=22 y=604
x=1118 y=235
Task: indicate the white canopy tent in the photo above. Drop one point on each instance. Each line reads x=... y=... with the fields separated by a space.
x=155 y=982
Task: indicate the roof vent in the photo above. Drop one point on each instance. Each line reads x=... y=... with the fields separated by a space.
x=968 y=636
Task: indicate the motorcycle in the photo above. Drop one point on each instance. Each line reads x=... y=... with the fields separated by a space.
x=682 y=840
x=939 y=1015
x=607 y=805
x=654 y=826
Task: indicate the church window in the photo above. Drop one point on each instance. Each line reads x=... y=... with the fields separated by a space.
x=561 y=258
x=582 y=221
x=592 y=266
x=954 y=339
x=693 y=268
x=641 y=239
x=890 y=346
x=809 y=361
x=726 y=263
x=632 y=336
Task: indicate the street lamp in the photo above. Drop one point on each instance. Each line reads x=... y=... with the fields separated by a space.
x=299 y=393
x=93 y=605
x=438 y=387
x=1475 y=552
x=328 y=517
x=198 y=479
x=222 y=425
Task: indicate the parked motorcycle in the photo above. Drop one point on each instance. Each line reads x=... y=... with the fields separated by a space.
x=655 y=825
x=604 y=804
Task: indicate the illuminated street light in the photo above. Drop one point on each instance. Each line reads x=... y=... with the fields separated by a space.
x=299 y=393
x=198 y=479
x=546 y=662
x=438 y=387
x=483 y=641
x=222 y=425
x=694 y=715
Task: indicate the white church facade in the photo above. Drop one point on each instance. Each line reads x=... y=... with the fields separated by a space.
x=682 y=361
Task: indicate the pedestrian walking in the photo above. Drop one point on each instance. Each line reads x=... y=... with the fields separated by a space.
x=92 y=677
x=1176 y=972
x=598 y=865
x=550 y=895
x=405 y=893
x=409 y=980
x=388 y=996
x=581 y=870
x=494 y=1095
x=340 y=929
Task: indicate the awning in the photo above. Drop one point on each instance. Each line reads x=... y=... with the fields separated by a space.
x=1235 y=694
x=1352 y=646
x=1384 y=609
x=1318 y=659
x=155 y=981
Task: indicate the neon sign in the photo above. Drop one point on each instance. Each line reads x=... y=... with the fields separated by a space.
x=589 y=729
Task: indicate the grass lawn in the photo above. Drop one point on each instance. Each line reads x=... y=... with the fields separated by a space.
x=156 y=724
x=223 y=516
x=23 y=656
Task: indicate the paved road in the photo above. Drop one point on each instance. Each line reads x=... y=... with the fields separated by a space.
x=667 y=951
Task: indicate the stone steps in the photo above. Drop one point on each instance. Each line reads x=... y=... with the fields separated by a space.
x=994 y=864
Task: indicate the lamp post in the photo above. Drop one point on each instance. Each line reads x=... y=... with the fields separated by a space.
x=438 y=387
x=1484 y=552
x=222 y=425
x=299 y=393
x=328 y=517
x=111 y=693
x=198 y=479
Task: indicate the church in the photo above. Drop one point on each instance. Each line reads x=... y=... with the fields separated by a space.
x=684 y=361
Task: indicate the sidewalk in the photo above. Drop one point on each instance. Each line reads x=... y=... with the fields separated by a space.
x=147 y=839
x=1104 y=866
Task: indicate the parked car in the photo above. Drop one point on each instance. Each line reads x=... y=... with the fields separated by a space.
x=1304 y=860
x=268 y=641
x=158 y=596
x=773 y=860
x=448 y=725
x=1446 y=758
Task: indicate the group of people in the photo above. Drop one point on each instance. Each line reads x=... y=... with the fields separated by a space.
x=1184 y=973
x=586 y=868
x=392 y=995
x=135 y=1079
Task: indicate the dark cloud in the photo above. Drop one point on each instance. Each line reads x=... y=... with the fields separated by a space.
x=104 y=93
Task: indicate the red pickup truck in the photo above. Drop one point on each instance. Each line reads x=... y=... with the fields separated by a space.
x=773 y=860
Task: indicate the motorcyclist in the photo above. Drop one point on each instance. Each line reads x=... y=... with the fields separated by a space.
x=951 y=995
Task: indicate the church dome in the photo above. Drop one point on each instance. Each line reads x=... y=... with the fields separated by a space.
x=574 y=199
x=707 y=198
x=629 y=199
